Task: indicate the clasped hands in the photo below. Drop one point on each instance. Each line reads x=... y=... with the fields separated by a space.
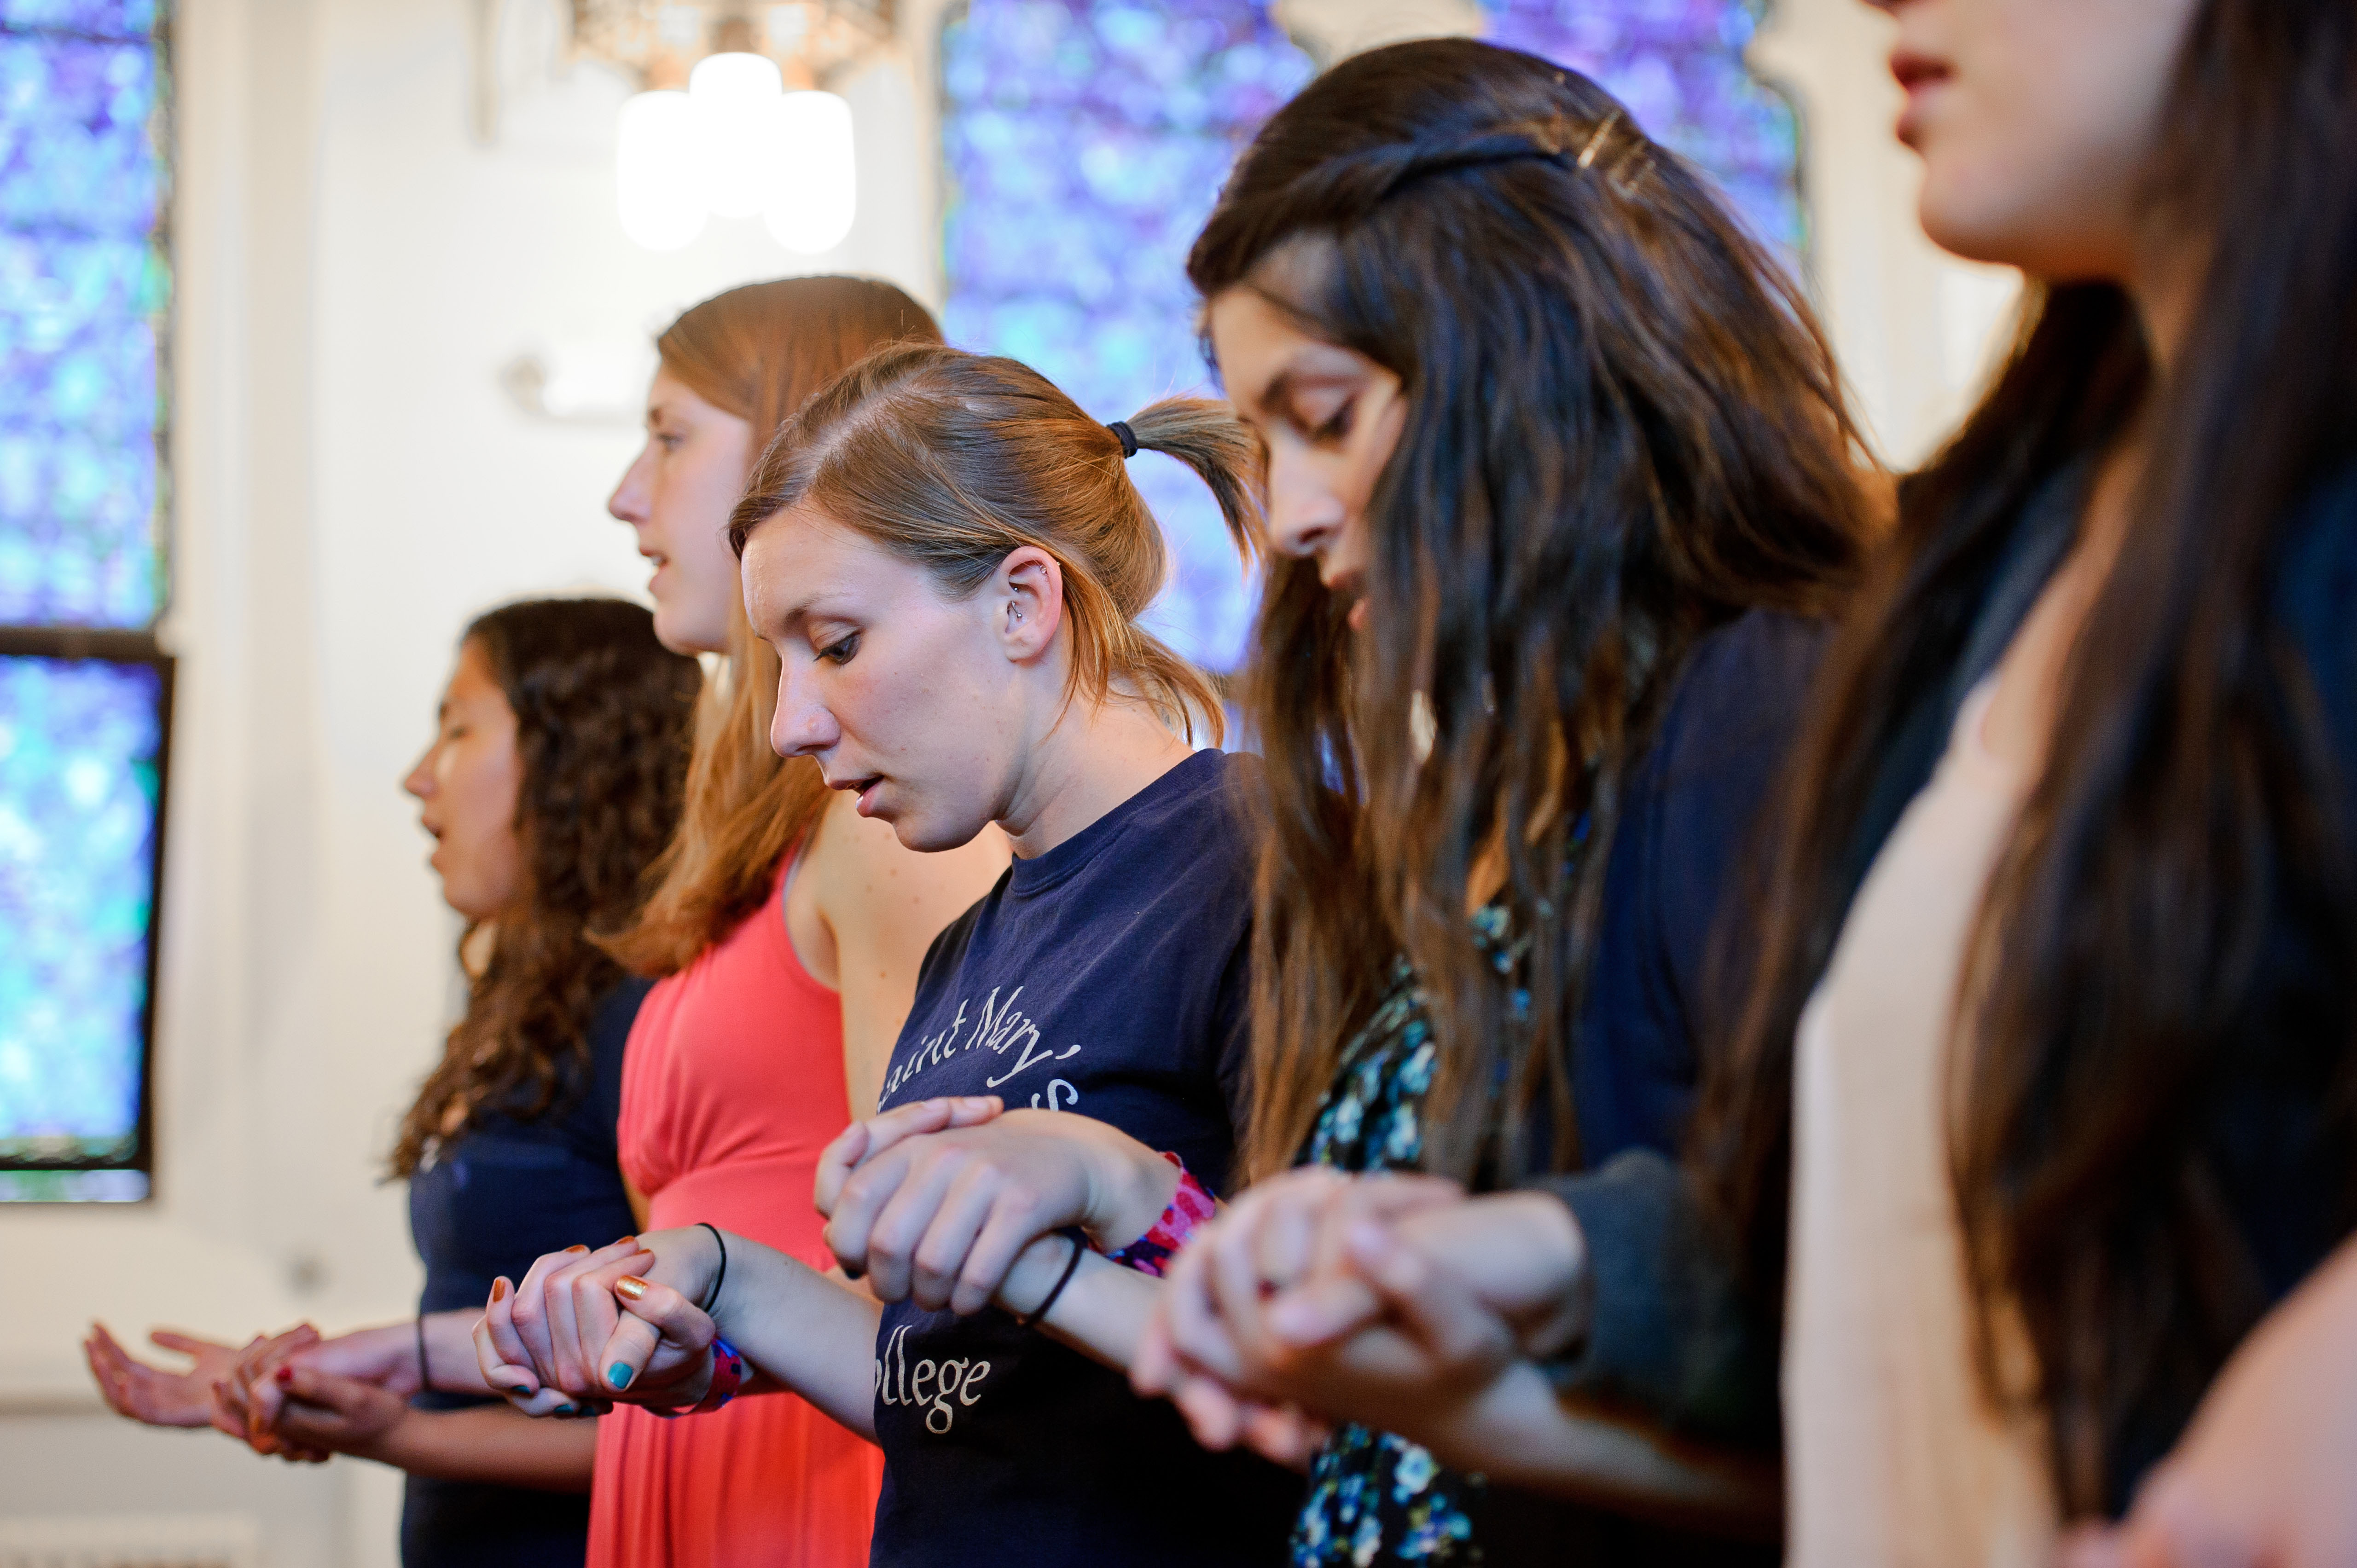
x=951 y=1203
x=1395 y=1300
x=296 y=1395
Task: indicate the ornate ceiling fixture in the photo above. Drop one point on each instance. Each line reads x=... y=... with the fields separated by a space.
x=734 y=121
x=663 y=39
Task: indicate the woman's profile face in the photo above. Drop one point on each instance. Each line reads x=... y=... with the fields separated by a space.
x=677 y=494
x=1329 y=418
x=2036 y=120
x=468 y=785
x=901 y=695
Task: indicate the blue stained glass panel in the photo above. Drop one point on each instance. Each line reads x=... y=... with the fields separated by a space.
x=1679 y=65
x=84 y=286
x=1086 y=142
x=80 y=753
x=93 y=19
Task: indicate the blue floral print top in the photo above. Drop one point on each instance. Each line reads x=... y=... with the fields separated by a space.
x=1375 y=1497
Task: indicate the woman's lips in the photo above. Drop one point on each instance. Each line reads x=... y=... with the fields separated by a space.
x=1918 y=76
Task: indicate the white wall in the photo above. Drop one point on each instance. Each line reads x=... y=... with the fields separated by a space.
x=352 y=484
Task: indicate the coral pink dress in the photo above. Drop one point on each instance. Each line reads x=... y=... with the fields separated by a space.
x=732 y=1084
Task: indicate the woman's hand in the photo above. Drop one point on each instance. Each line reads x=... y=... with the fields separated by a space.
x=1383 y=1299
x=132 y=1388
x=863 y=1140
x=1520 y=1257
x=2261 y=1478
x=531 y=1346
x=233 y=1408
x=1281 y=1233
x=320 y=1412
x=1205 y=1364
x=940 y=1217
x=562 y=1343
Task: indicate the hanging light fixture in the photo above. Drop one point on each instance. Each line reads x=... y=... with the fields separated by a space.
x=717 y=133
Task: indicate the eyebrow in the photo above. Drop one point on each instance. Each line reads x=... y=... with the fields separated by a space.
x=1279 y=394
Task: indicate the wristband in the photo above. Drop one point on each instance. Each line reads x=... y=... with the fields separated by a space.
x=712 y=1298
x=1072 y=1266
x=727 y=1377
x=1190 y=1208
x=424 y=1378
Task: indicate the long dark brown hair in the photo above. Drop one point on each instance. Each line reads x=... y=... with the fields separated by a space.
x=756 y=352
x=603 y=716
x=1623 y=428
x=2170 y=934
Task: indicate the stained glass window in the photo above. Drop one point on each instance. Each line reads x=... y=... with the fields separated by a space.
x=84 y=695
x=1679 y=65
x=82 y=289
x=1085 y=141
x=81 y=759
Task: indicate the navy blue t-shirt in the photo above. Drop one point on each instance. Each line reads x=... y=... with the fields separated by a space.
x=1106 y=978
x=500 y=1195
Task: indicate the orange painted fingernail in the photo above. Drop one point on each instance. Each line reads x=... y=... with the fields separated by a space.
x=499 y=1288
x=626 y=1240
x=577 y=1247
x=629 y=1287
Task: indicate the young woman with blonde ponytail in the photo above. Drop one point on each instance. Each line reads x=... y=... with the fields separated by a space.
x=950 y=559
x=787 y=932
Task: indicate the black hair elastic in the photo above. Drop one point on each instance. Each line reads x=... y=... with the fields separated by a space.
x=1128 y=437
x=713 y=1299
x=424 y=1378
x=1071 y=1267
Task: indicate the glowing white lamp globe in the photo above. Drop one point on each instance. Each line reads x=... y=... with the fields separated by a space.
x=814 y=196
x=657 y=165
x=737 y=100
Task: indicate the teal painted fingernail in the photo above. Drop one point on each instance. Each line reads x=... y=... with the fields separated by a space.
x=568 y=1410
x=619 y=1374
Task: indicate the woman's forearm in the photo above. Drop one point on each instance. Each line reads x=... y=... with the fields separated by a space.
x=1520 y=1432
x=450 y=1363
x=1100 y=1311
x=803 y=1330
x=490 y=1443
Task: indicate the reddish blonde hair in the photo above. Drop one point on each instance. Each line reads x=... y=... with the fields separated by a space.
x=756 y=352
x=953 y=460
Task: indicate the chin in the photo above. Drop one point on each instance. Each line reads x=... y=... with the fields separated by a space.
x=677 y=634
x=930 y=835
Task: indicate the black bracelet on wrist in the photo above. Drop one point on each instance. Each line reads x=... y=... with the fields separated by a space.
x=1072 y=1266
x=424 y=1378
x=712 y=1298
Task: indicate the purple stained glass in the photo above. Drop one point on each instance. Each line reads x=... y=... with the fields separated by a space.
x=91 y=19
x=81 y=747
x=1679 y=67
x=1085 y=143
x=84 y=285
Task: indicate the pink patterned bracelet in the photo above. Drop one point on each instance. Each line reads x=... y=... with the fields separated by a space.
x=1190 y=1208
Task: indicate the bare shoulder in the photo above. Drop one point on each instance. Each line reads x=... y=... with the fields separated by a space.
x=865 y=873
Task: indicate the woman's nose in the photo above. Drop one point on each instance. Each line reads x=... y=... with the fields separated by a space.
x=1304 y=512
x=802 y=726
x=629 y=502
x=420 y=782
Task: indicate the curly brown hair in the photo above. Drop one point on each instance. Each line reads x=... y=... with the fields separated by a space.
x=604 y=715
